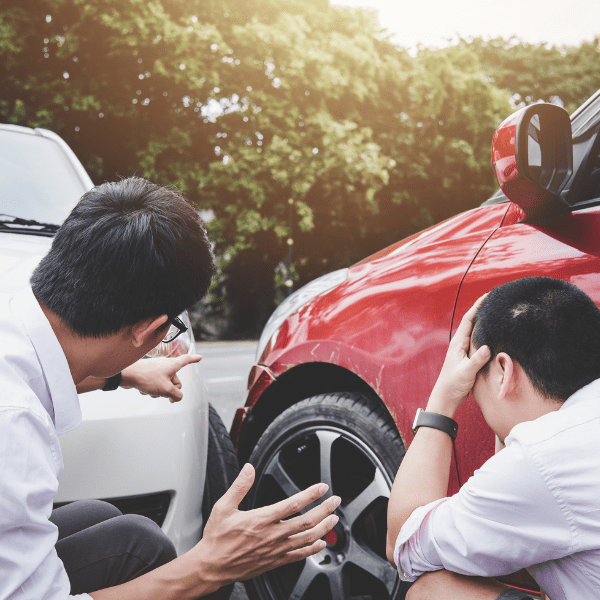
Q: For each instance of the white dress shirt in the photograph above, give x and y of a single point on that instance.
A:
(534, 505)
(38, 400)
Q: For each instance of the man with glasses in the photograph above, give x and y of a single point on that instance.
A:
(129, 258)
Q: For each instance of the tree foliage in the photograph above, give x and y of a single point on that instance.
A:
(534, 72)
(287, 121)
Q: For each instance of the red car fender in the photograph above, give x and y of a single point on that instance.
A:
(389, 322)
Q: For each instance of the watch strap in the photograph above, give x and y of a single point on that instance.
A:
(425, 418)
(112, 383)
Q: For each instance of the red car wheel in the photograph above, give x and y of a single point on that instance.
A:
(349, 442)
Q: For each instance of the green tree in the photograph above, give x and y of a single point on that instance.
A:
(247, 106)
(533, 72)
(440, 140)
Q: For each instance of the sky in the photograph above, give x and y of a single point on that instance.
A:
(432, 22)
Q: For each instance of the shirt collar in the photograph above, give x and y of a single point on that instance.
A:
(67, 411)
(587, 392)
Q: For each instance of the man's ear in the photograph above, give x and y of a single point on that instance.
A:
(144, 329)
(507, 374)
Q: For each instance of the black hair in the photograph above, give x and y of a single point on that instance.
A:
(549, 326)
(130, 250)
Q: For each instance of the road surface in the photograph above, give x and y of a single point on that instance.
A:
(225, 367)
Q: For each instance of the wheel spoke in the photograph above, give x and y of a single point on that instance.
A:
(326, 439)
(378, 488)
(278, 473)
(338, 585)
(306, 578)
(375, 565)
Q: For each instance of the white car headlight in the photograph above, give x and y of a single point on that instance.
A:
(295, 301)
(178, 347)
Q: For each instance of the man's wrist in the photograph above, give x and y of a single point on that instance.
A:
(206, 574)
(185, 578)
(128, 379)
(441, 407)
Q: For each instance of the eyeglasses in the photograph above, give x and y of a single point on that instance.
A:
(177, 328)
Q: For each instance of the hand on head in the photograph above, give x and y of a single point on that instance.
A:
(459, 370)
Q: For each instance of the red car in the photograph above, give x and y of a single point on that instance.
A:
(344, 363)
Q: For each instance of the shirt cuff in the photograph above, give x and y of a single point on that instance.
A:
(407, 556)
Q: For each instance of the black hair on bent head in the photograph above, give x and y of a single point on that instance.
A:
(129, 250)
(549, 326)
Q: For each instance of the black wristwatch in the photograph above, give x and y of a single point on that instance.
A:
(431, 419)
(112, 383)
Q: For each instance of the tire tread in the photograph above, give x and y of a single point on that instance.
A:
(355, 402)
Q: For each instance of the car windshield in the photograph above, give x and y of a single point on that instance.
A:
(37, 181)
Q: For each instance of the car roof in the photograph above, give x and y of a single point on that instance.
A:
(18, 128)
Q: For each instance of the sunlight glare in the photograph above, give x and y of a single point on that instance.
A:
(434, 22)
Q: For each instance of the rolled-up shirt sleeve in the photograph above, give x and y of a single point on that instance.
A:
(412, 562)
(503, 519)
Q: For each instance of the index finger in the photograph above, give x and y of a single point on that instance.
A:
(463, 332)
(181, 361)
(294, 504)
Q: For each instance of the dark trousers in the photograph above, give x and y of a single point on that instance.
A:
(100, 547)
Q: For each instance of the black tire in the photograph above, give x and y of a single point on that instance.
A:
(222, 468)
(356, 444)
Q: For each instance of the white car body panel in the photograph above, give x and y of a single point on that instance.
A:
(127, 444)
(19, 255)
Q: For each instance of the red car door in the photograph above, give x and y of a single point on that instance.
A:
(566, 247)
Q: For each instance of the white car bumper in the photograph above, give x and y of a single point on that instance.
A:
(132, 446)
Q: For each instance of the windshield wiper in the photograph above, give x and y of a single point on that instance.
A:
(11, 223)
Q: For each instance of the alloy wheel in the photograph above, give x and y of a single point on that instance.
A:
(353, 564)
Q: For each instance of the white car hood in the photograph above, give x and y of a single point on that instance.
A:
(20, 253)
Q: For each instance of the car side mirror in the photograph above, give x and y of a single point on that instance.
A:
(532, 156)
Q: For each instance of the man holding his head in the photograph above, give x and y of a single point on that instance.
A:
(530, 353)
(129, 258)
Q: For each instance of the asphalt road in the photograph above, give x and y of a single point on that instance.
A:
(225, 367)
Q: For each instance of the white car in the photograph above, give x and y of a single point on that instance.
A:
(144, 455)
